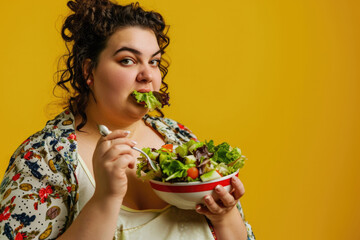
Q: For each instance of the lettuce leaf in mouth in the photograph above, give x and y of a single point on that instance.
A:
(152, 100)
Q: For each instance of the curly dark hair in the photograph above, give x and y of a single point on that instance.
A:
(86, 32)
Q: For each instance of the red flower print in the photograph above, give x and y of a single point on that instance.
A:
(16, 177)
(59, 148)
(12, 199)
(19, 236)
(36, 205)
(72, 137)
(44, 193)
(181, 126)
(27, 140)
(69, 189)
(28, 155)
(5, 215)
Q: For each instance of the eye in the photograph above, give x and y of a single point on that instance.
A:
(127, 62)
(155, 62)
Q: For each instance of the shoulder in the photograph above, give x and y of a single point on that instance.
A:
(54, 142)
(172, 131)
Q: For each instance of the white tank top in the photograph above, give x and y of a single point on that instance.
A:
(169, 223)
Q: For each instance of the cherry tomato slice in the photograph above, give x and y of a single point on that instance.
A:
(168, 147)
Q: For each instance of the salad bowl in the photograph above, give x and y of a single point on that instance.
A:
(186, 195)
(185, 174)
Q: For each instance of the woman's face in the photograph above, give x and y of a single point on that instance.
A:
(130, 61)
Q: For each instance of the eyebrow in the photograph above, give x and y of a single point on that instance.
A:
(134, 51)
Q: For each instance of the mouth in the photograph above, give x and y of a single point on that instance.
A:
(153, 100)
(132, 96)
(143, 90)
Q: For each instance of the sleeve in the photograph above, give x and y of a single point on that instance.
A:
(34, 194)
(172, 131)
(181, 130)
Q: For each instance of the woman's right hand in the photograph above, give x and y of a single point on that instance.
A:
(112, 156)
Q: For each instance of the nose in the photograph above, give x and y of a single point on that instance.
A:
(145, 75)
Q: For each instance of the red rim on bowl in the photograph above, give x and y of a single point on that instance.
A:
(191, 186)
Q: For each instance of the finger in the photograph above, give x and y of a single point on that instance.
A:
(120, 141)
(115, 151)
(211, 205)
(238, 187)
(125, 160)
(202, 209)
(226, 198)
(117, 169)
(117, 134)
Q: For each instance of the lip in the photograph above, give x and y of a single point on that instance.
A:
(143, 90)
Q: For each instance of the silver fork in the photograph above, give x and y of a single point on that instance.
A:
(104, 131)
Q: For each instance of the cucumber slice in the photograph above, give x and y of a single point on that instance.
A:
(182, 150)
(190, 159)
(212, 175)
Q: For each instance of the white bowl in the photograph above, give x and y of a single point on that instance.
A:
(186, 195)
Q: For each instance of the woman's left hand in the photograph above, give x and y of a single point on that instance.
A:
(216, 211)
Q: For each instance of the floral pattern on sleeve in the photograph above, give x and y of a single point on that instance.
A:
(39, 191)
(172, 131)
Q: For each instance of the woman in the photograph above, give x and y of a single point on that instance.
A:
(49, 187)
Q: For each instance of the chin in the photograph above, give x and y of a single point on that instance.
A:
(138, 111)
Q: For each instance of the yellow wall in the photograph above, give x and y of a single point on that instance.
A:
(280, 79)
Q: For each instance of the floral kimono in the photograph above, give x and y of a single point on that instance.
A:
(39, 193)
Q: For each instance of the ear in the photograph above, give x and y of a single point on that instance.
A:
(87, 73)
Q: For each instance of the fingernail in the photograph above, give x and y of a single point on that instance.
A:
(234, 178)
(218, 188)
(134, 142)
(198, 207)
(127, 132)
(207, 198)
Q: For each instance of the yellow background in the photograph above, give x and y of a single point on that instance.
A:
(279, 79)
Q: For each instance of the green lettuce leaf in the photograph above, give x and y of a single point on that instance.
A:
(210, 145)
(170, 167)
(220, 153)
(178, 174)
(234, 154)
(149, 99)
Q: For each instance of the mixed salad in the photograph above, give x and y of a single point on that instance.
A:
(151, 100)
(191, 161)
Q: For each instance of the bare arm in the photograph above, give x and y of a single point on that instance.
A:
(97, 220)
(224, 216)
(112, 156)
(231, 227)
